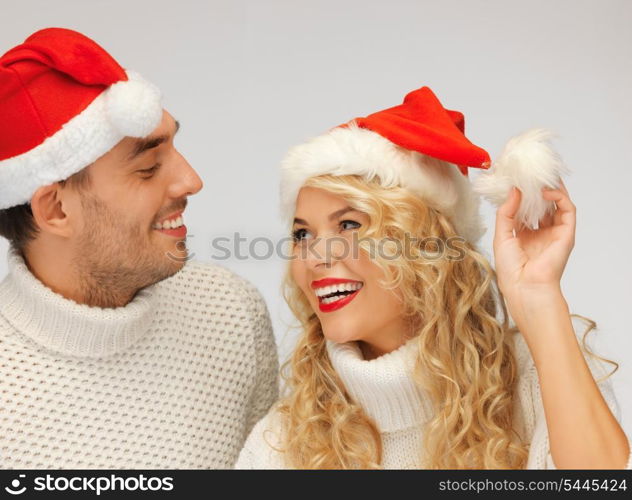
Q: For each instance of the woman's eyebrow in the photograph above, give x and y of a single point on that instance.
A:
(332, 216)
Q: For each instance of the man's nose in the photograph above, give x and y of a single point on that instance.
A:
(187, 180)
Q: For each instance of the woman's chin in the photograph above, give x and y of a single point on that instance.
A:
(339, 337)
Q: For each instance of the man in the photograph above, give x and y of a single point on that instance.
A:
(116, 350)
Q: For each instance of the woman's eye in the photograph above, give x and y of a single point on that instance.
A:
(148, 172)
(298, 234)
(357, 224)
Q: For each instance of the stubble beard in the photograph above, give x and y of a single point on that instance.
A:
(115, 258)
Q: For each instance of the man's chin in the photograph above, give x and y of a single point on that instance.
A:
(164, 270)
(178, 253)
(170, 258)
(177, 256)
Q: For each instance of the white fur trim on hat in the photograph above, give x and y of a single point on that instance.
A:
(128, 108)
(358, 151)
(529, 163)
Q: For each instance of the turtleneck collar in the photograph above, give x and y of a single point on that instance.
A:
(383, 387)
(64, 326)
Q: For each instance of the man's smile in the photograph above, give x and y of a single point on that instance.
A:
(172, 225)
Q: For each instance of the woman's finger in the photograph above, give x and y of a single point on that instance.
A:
(557, 215)
(566, 211)
(563, 188)
(547, 219)
(505, 217)
(561, 199)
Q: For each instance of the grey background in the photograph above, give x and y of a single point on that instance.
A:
(249, 79)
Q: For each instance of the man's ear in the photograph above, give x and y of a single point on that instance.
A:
(47, 205)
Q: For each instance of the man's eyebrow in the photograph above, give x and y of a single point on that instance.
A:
(147, 143)
(332, 216)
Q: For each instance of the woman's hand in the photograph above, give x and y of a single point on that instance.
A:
(533, 259)
(529, 266)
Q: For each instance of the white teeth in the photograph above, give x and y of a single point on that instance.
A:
(169, 224)
(329, 300)
(343, 287)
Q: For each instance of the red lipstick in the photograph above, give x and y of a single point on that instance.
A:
(333, 306)
(331, 281)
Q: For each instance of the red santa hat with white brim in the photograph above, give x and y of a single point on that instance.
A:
(421, 146)
(64, 102)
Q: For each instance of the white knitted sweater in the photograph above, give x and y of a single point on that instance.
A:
(385, 391)
(174, 379)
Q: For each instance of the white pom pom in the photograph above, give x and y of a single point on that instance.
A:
(134, 106)
(529, 163)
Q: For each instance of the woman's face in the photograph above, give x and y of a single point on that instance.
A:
(326, 261)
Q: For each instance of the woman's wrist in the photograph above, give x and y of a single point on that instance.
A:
(532, 308)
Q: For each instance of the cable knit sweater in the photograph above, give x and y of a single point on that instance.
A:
(384, 389)
(174, 379)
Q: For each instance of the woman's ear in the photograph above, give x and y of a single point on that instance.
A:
(47, 205)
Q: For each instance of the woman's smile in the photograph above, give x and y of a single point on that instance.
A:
(335, 293)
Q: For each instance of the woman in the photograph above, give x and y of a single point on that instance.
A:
(407, 358)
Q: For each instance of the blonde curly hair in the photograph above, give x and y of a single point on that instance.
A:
(465, 362)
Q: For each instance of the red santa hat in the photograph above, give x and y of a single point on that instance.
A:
(64, 102)
(421, 146)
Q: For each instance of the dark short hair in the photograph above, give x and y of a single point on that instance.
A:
(17, 223)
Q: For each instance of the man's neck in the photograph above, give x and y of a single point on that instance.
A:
(54, 268)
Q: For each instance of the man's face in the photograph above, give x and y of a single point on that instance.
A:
(135, 188)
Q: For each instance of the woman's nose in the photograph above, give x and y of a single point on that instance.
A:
(326, 250)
